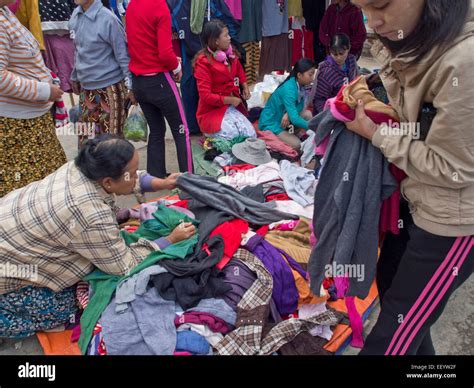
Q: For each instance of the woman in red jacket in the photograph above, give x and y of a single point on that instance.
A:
(220, 77)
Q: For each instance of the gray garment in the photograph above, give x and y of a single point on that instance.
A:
(128, 289)
(225, 198)
(275, 18)
(251, 25)
(353, 183)
(299, 182)
(308, 148)
(145, 328)
(217, 307)
(101, 53)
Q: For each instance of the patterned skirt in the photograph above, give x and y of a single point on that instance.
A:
(31, 309)
(104, 109)
(29, 151)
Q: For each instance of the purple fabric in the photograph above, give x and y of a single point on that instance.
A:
(285, 293)
(145, 183)
(145, 212)
(214, 323)
(162, 243)
(59, 58)
(240, 278)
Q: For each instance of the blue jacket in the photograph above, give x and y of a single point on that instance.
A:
(288, 98)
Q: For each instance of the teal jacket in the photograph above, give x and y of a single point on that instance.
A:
(283, 100)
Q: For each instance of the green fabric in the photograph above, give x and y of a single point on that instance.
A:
(202, 166)
(224, 145)
(198, 10)
(104, 285)
(283, 100)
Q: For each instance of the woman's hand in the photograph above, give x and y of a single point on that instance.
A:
(246, 92)
(170, 181)
(181, 232)
(56, 93)
(362, 124)
(231, 100)
(285, 121)
(130, 96)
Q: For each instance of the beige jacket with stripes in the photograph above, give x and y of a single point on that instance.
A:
(440, 169)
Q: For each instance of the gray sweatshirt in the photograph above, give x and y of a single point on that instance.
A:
(354, 181)
(101, 55)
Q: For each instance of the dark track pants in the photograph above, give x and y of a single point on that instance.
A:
(159, 99)
(416, 274)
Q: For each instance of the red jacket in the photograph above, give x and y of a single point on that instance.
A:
(149, 37)
(349, 21)
(214, 82)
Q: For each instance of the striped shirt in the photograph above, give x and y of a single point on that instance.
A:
(24, 78)
(54, 231)
(330, 79)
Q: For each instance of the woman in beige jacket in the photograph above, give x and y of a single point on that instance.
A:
(425, 49)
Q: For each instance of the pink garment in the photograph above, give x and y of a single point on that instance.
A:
(285, 226)
(214, 323)
(390, 211)
(235, 7)
(59, 57)
(14, 7)
(182, 354)
(274, 143)
(342, 287)
(76, 333)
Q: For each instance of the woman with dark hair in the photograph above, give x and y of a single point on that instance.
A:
(284, 113)
(222, 86)
(57, 230)
(342, 17)
(339, 68)
(425, 51)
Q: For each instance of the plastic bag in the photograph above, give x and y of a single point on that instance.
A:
(263, 90)
(136, 127)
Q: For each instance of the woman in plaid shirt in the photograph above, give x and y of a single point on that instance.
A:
(55, 231)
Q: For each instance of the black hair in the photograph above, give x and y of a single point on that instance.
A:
(301, 66)
(104, 156)
(440, 23)
(340, 42)
(211, 32)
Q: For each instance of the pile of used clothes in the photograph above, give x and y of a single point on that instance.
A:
(253, 280)
(215, 154)
(239, 286)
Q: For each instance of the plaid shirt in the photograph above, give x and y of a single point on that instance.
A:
(54, 231)
(252, 314)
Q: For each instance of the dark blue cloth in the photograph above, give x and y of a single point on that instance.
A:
(192, 342)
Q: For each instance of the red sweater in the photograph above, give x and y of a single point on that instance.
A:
(214, 82)
(149, 37)
(349, 21)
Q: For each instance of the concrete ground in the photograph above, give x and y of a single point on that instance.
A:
(452, 334)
